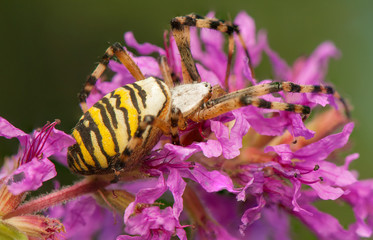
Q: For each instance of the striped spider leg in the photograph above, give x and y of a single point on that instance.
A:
(249, 96)
(180, 30)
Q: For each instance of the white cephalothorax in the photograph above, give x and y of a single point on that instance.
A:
(189, 97)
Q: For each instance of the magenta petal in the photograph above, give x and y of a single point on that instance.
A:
(153, 223)
(247, 28)
(296, 195)
(231, 141)
(57, 142)
(252, 214)
(281, 69)
(327, 192)
(315, 67)
(176, 185)
(148, 66)
(180, 152)
(212, 38)
(324, 225)
(284, 151)
(241, 196)
(297, 127)
(265, 126)
(208, 76)
(211, 148)
(30, 176)
(211, 181)
(7, 130)
(145, 48)
(321, 149)
(147, 195)
(335, 175)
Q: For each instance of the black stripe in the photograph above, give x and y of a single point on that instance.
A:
(90, 168)
(231, 29)
(75, 151)
(264, 104)
(306, 110)
(275, 86)
(294, 87)
(245, 100)
(190, 21)
(329, 90)
(106, 121)
(141, 92)
(290, 107)
(198, 16)
(214, 24)
(134, 101)
(176, 25)
(316, 89)
(189, 63)
(111, 112)
(145, 141)
(159, 82)
(133, 97)
(85, 135)
(105, 59)
(91, 80)
(125, 113)
(94, 128)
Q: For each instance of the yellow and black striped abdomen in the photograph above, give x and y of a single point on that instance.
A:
(105, 129)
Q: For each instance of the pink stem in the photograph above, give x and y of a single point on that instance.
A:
(54, 198)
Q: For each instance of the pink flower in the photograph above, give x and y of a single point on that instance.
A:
(33, 165)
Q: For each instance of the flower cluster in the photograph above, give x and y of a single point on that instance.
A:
(238, 176)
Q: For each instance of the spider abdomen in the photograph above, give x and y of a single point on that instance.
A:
(103, 132)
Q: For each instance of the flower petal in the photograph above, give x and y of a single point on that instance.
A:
(145, 48)
(7, 130)
(177, 186)
(30, 176)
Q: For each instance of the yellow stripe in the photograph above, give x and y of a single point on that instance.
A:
(87, 157)
(126, 103)
(121, 130)
(97, 151)
(107, 141)
(81, 164)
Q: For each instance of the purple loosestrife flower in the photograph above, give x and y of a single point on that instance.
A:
(26, 171)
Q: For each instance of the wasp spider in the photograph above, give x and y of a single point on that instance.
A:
(116, 132)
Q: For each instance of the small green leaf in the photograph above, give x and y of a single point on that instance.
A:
(8, 232)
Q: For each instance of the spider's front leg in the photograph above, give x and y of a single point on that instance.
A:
(177, 121)
(180, 29)
(212, 109)
(114, 50)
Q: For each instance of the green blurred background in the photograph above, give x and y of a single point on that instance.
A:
(49, 47)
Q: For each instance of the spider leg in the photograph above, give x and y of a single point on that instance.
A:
(117, 50)
(165, 70)
(180, 30)
(242, 100)
(177, 122)
(263, 89)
